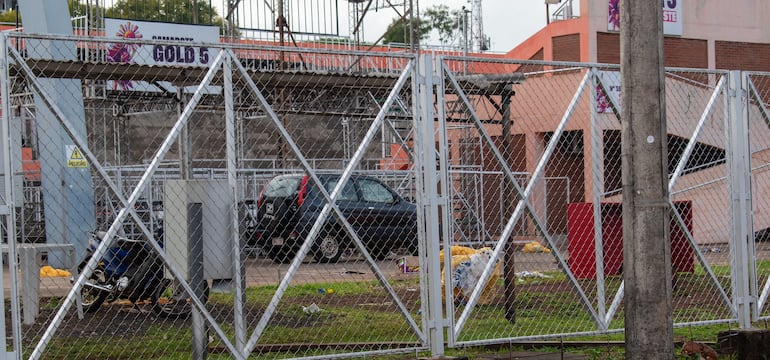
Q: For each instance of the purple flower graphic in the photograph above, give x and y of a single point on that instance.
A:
(602, 103)
(124, 52)
(614, 15)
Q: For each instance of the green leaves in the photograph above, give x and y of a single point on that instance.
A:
(438, 17)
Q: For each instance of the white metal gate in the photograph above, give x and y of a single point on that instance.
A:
(520, 156)
(228, 113)
(561, 120)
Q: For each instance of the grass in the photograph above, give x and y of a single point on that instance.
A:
(538, 312)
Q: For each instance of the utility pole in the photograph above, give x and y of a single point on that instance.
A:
(281, 23)
(465, 39)
(646, 246)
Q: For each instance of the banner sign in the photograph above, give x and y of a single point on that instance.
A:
(671, 13)
(189, 53)
(611, 82)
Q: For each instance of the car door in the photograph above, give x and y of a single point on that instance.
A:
(384, 214)
(347, 201)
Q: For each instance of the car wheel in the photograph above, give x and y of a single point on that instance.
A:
(281, 254)
(328, 249)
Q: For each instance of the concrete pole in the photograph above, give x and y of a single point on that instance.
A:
(646, 249)
(196, 277)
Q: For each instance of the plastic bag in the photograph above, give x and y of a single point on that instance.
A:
(535, 247)
(467, 268)
(48, 271)
(457, 251)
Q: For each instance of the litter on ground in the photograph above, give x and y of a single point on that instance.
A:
(48, 271)
(535, 247)
(531, 274)
(311, 309)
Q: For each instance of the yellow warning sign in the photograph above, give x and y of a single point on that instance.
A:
(75, 158)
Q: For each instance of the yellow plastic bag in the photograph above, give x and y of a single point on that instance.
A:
(48, 271)
(457, 250)
(535, 247)
(467, 268)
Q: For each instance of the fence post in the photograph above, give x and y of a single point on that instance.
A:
(7, 210)
(427, 204)
(196, 277)
(739, 190)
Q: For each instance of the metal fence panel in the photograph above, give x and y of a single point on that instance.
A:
(177, 154)
(277, 201)
(757, 103)
(544, 144)
(696, 104)
(532, 128)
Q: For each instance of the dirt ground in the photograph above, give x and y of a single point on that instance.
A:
(137, 320)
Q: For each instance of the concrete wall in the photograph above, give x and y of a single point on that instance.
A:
(134, 139)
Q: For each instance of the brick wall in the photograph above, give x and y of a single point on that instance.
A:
(742, 56)
(677, 52)
(533, 68)
(688, 53)
(566, 47)
(745, 56)
(538, 55)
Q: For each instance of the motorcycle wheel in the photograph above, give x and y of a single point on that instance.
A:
(173, 301)
(91, 297)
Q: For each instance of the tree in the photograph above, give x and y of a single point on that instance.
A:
(444, 21)
(399, 31)
(173, 11)
(437, 17)
(9, 17)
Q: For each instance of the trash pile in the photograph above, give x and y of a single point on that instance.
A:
(467, 266)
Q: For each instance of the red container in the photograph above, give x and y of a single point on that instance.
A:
(581, 246)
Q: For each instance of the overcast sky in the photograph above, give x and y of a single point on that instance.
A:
(506, 22)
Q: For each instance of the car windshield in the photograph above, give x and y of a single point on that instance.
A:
(282, 186)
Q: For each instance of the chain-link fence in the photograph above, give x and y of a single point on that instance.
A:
(757, 86)
(213, 181)
(275, 202)
(543, 142)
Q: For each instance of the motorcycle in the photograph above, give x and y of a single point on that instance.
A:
(131, 270)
